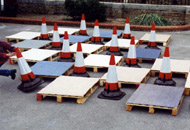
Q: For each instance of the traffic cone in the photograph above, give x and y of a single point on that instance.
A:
(29, 80)
(56, 42)
(96, 34)
(83, 26)
(114, 49)
(165, 75)
(127, 31)
(79, 67)
(111, 90)
(44, 35)
(65, 53)
(152, 39)
(131, 60)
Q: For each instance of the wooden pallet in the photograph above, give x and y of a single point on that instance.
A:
(151, 104)
(154, 72)
(99, 66)
(160, 39)
(140, 75)
(80, 99)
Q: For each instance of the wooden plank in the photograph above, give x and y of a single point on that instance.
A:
(77, 38)
(62, 30)
(187, 85)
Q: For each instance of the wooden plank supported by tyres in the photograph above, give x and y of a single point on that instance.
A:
(28, 44)
(107, 35)
(87, 49)
(77, 38)
(122, 43)
(177, 66)
(25, 35)
(129, 75)
(62, 87)
(36, 55)
(156, 97)
(96, 61)
(52, 69)
(146, 54)
(61, 30)
(160, 39)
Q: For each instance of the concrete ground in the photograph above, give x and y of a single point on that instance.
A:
(21, 111)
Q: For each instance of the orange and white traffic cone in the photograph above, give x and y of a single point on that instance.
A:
(111, 90)
(79, 67)
(114, 48)
(96, 34)
(165, 75)
(29, 80)
(152, 39)
(127, 31)
(44, 34)
(56, 42)
(83, 26)
(65, 53)
(131, 60)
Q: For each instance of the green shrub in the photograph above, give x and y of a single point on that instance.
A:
(148, 19)
(91, 8)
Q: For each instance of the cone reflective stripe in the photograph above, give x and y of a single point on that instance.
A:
(65, 53)
(44, 34)
(79, 61)
(131, 58)
(26, 72)
(96, 32)
(114, 41)
(83, 26)
(56, 38)
(152, 39)
(127, 31)
(165, 71)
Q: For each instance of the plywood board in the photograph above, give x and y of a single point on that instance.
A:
(108, 34)
(177, 66)
(51, 68)
(77, 38)
(28, 44)
(62, 31)
(69, 86)
(94, 60)
(86, 48)
(23, 36)
(122, 43)
(35, 55)
(155, 95)
(130, 75)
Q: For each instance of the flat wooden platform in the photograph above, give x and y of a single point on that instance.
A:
(70, 87)
(52, 69)
(23, 36)
(160, 38)
(155, 96)
(77, 38)
(177, 66)
(122, 43)
(108, 34)
(28, 44)
(35, 55)
(61, 30)
(187, 85)
(100, 61)
(87, 49)
(128, 75)
(146, 54)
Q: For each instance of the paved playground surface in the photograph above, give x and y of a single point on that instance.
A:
(21, 111)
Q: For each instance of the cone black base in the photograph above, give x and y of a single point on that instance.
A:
(99, 43)
(133, 65)
(80, 74)
(111, 95)
(152, 47)
(170, 82)
(116, 53)
(66, 60)
(55, 48)
(44, 39)
(30, 85)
